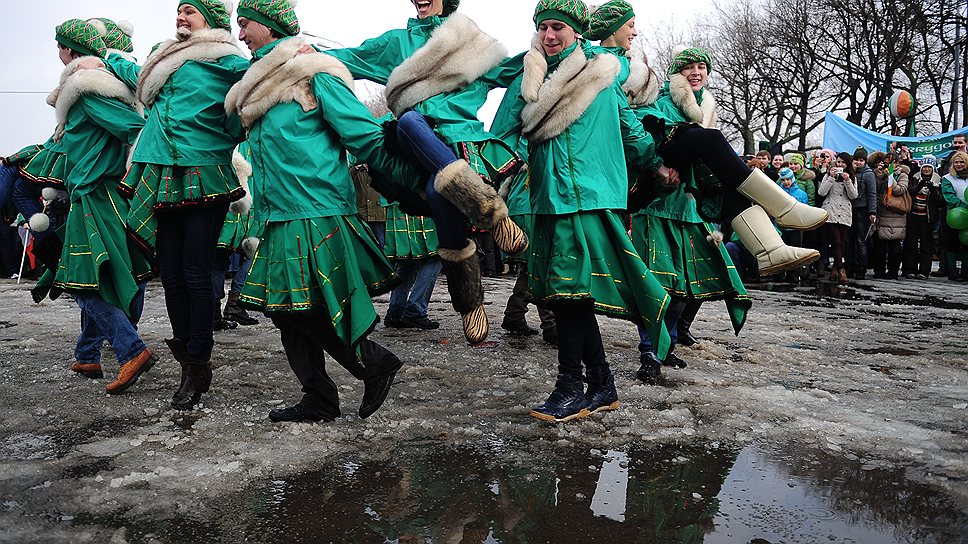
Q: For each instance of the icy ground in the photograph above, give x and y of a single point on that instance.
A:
(875, 372)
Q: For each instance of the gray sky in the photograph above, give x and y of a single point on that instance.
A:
(31, 62)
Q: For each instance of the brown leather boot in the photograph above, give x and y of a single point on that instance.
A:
(88, 370)
(131, 371)
(842, 276)
(834, 275)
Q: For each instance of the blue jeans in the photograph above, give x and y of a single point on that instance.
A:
(8, 176)
(411, 298)
(420, 143)
(672, 315)
(101, 321)
(239, 279)
(379, 229)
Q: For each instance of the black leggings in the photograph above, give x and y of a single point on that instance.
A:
(838, 236)
(579, 339)
(691, 143)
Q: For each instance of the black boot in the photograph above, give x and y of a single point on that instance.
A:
(684, 324)
(381, 366)
(566, 402)
(650, 370)
(234, 312)
(219, 323)
(601, 395)
(196, 379)
(673, 360)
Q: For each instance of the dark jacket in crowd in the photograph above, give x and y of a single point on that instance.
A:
(866, 191)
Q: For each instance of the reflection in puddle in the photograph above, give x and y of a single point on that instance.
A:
(435, 493)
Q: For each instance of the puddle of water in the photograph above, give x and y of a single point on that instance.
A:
(884, 350)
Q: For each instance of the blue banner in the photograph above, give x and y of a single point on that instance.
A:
(842, 135)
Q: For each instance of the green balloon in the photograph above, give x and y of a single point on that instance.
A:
(963, 237)
(958, 218)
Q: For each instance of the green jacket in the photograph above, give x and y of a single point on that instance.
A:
(584, 167)
(455, 113)
(299, 160)
(187, 124)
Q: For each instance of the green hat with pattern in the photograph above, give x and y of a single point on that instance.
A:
(81, 37)
(217, 13)
(279, 15)
(574, 13)
(116, 35)
(608, 18)
(688, 56)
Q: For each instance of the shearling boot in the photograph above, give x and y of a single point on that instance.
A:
(759, 236)
(789, 213)
(234, 312)
(479, 202)
(463, 271)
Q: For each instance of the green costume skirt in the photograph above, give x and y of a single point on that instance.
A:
(493, 159)
(153, 187)
(234, 232)
(409, 237)
(40, 165)
(98, 255)
(688, 266)
(330, 263)
(587, 256)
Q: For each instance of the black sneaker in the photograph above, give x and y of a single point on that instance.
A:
(651, 369)
(602, 398)
(418, 323)
(564, 404)
(296, 412)
(519, 329)
(674, 361)
(392, 322)
(686, 338)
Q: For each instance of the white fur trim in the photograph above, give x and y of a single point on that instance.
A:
(567, 93)
(49, 194)
(75, 83)
(207, 45)
(643, 85)
(244, 171)
(39, 222)
(250, 246)
(280, 77)
(535, 71)
(457, 54)
(458, 255)
(683, 96)
(127, 27)
(715, 238)
(99, 26)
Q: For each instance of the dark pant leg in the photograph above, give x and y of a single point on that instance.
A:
(837, 234)
(168, 248)
(925, 243)
(307, 359)
(857, 243)
(893, 261)
(517, 306)
(571, 323)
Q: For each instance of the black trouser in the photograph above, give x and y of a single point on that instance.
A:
(839, 239)
(886, 257)
(918, 243)
(517, 306)
(186, 254)
(855, 246)
(579, 340)
(307, 337)
(690, 143)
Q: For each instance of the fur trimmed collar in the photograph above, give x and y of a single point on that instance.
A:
(75, 83)
(554, 104)
(457, 53)
(279, 77)
(207, 45)
(643, 85)
(683, 96)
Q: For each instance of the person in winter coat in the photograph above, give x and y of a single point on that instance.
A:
(805, 177)
(864, 207)
(839, 188)
(953, 187)
(788, 182)
(891, 224)
(925, 190)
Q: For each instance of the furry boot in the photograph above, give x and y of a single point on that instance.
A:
(789, 213)
(479, 202)
(759, 236)
(463, 271)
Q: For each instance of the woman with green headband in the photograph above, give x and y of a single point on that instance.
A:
(438, 72)
(181, 181)
(569, 106)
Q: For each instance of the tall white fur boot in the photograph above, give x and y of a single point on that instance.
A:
(789, 213)
(757, 233)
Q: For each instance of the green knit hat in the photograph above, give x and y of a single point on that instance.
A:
(279, 15)
(217, 13)
(689, 56)
(574, 13)
(797, 158)
(608, 18)
(81, 37)
(116, 35)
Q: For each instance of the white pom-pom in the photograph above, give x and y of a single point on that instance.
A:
(229, 6)
(127, 27)
(250, 246)
(715, 238)
(39, 222)
(292, 3)
(242, 205)
(49, 194)
(99, 26)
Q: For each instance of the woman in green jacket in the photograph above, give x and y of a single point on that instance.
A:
(438, 72)
(96, 122)
(570, 107)
(181, 181)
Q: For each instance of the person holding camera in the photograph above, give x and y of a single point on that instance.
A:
(839, 188)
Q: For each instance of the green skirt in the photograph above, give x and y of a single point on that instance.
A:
(98, 255)
(688, 266)
(409, 237)
(40, 165)
(153, 187)
(587, 256)
(493, 159)
(234, 232)
(329, 263)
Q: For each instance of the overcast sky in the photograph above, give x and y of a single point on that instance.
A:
(31, 65)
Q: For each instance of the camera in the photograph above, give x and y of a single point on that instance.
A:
(835, 172)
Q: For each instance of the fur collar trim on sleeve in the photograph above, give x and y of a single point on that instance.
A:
(683, 96)
(75, 83)
(207, 45)
(457, 54)
(281, 76)
(643, 85)
(564, 97)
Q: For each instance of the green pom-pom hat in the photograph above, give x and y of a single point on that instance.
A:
(116, 35)
(688, 56)
(279, 15)
(608, 18)
(80, 36)
(574, 13)
(217, 13)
